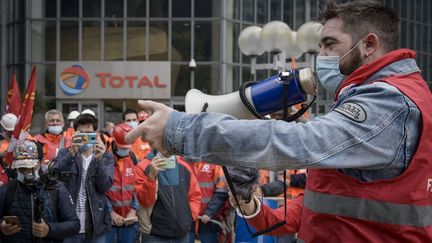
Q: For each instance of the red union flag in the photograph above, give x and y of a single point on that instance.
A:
(13, 102)
(24, 118)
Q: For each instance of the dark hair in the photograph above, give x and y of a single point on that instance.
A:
(366, 16)
(129, 111)
(85, 119)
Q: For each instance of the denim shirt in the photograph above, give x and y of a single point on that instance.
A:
(380, 147)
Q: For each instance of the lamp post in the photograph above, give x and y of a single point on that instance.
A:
(192, 67)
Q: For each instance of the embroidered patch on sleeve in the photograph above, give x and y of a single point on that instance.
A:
(353, 111)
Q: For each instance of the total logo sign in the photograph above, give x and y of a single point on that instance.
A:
(113, 80)
(74, 80)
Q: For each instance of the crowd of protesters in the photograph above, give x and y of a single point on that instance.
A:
(119, 192)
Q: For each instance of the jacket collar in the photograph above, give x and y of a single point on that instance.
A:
(401, 61)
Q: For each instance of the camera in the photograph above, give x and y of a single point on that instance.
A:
(47, 181)
(88, 138)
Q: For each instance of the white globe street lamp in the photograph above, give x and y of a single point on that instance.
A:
(249, 41)
(275, 37)
(308, 37)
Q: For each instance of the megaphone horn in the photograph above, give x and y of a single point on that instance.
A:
(263, 97)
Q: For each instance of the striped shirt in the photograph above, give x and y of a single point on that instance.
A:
(82, 195)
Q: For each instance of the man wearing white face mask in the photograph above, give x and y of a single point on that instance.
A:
(53, 138)
(91, 168)
(139, 147)
(369, 158)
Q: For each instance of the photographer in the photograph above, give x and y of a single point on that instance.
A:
(92, 169)
(20, 221)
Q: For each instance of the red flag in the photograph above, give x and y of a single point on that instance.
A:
(24, 118)
(13, 102)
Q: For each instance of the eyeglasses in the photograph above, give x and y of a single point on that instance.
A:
(268, 229)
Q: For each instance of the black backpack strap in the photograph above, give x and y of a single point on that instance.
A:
(133, 157)
(10, 194)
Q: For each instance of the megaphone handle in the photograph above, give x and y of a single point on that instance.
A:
(243, 98)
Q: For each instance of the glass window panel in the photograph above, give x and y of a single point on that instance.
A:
(181, 8)
(19, 9)
(114, 40)
(275, 13)
(43, 8)
(91, 42)
(262, 74)
(235, 78)
(38, 122)
(158, 50)
(262, 11)
(246, 74)
(158, 8)
(92, 8)
(69, 40)
(207, 44)
(113, 110)
(136, 40)
(45, 76)
(404, 9)
(300, 13)
(264, 58)
(43, 40)
(246, 59)
(236, 49)
(208, 79)
(404, 33)
(180, 79)
(411, 35)
(66, 108)
(207, 8)
(248, 10)
(181, 41)
(288, 13)
(114, 8)
(233, 9)
(69, 8)
(419, 38)
(136, 8)
(19, 42)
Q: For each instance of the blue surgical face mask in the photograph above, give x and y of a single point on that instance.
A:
(122, 152)
(55, 129)
(85, 147)
(328, 70)
(133, 124)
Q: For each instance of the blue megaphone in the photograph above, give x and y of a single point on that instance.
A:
(257, 99)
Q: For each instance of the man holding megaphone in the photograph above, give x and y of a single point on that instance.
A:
(369, 158)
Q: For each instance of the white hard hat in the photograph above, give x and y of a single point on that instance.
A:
(8, 121)
(88, 111)
(73, 115)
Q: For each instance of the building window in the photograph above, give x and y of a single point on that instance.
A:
(92, 8)
(158, 8)
(136, 40)
(181, 8)
(69, 8)
(136, 8)
(181, 41)
(68, 40)
(114, 40)
(158, 50)
(207, 41)
(180, 79)
(43, 9)
(43, 39)
(91, 42)
(114, 8)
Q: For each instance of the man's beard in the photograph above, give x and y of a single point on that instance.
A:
(355, 61)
